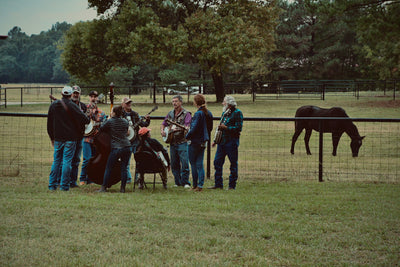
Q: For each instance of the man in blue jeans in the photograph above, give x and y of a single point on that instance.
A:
(230, 127)
(65, 126)
(178, 144)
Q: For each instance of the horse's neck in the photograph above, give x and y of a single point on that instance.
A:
(352, 131)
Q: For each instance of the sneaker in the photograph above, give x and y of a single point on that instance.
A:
(73, 185)
(82, 183)
(198, 189)
(186, 186)
(175, 185)
(193, 188)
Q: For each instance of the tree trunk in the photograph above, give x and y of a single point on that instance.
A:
(219, 86)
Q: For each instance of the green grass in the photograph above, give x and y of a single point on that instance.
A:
(260, 223)
(279, 214)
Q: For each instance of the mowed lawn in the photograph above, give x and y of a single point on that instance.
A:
(290, 223)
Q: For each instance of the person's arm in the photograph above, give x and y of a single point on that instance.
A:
(237, 124)
(50, 124)
(163, 125)
(194, 125)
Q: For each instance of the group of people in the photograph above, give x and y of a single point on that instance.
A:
(187, 136)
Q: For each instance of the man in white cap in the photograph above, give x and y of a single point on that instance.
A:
(76, 92)
(65, 126)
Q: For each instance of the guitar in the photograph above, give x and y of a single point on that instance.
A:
(131, 129)
(169, 134)
(218, 133)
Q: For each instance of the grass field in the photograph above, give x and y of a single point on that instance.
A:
(295, 222)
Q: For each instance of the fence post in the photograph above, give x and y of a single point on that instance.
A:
(209, 157)
(154, 93)
(253, 91)
(22, 92)
(321, 151)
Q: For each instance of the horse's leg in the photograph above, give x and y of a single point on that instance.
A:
(335, 141)
(307, 139)
(294, 138)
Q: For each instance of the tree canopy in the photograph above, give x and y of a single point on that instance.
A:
(213, 34)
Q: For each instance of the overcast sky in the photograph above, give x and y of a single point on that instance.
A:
(34, 16)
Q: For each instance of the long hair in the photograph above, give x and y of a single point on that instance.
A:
(200, 101)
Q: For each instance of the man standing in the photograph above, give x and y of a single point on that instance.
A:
(76, 92)
(178, 144)
(65, 125)
(231, 126)
(96, 115)
(133, 118)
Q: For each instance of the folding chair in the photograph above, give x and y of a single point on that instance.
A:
(147, 162)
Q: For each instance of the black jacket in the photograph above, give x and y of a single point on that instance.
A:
(156, 146)
(65, 123)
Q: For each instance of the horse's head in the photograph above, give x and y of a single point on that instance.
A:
(355, 145)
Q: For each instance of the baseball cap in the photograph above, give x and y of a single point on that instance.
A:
(144, 131)
(126, 100)
(76, 88)
(93, 93)
(67, 90)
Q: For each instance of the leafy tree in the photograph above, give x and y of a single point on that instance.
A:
(214, 34)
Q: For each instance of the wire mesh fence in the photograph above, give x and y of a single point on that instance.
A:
(264, 151)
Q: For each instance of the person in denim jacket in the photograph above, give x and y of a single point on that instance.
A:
(198, 137)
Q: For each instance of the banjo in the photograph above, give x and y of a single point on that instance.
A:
(169, 133)
(218, 133)
(131, 130)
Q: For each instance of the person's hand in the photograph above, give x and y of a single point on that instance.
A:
(52, 143)
(169, 167)
(147, 117)
(213, 144)
(222, 127)
(163, 133)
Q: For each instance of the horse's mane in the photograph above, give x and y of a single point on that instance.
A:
(352, 130)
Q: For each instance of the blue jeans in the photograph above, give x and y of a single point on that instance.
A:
(75, 162)
(88, 152)
(115, 154)
(63, 154)
(229, 149)
(196, 157)
(129, 175)
(180, 164)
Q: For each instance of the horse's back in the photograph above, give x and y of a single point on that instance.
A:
(314, 111)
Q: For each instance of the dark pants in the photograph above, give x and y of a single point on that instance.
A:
(229, 149)
(115, 154)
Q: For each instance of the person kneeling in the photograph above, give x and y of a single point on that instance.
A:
(153, 146)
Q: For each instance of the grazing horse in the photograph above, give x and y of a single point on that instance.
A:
(336, 127)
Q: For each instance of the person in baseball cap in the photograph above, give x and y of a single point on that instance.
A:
(93, 93)
(144, 130)
(66, 91)
(126, 100)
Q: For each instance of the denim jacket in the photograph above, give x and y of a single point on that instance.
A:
(198, 133)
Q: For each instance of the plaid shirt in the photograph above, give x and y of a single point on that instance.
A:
(97, 115)
(234, 122)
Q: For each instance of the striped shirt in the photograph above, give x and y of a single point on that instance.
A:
(118, 129)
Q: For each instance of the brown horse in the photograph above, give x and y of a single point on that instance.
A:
(336, 127)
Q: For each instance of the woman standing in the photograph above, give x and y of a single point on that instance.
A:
(117, 127)
(198, 137)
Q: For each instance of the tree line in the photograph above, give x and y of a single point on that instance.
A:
(134, 41)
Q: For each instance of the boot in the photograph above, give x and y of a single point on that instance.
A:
(103, 189)
(122, 190)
